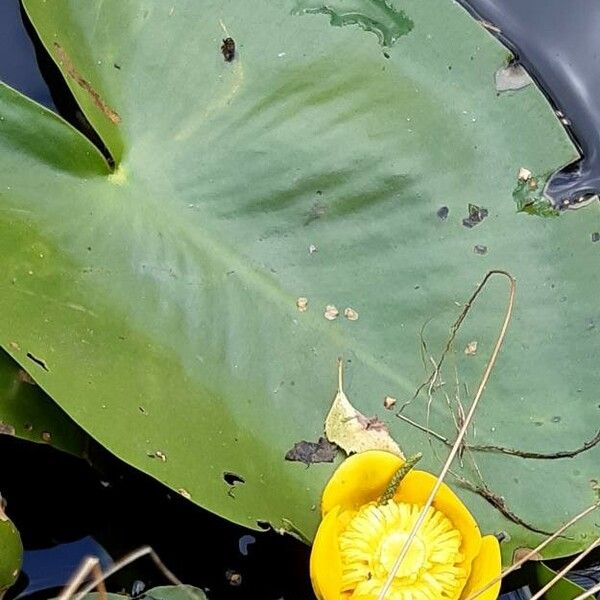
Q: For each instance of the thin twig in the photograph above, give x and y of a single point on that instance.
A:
(566, 569)
(126, 560)
(463, 430)
(589, 592)
(534, 552)
(510, 451)
(454, 330)
(497, 502)
(86, 567)
(539, 455)
(430, 432)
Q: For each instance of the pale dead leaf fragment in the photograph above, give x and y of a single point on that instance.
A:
(389, 402)
(352, 431)
(302, 304)
(471, 348)
(331, 312)
(524, 174)
(351, 314)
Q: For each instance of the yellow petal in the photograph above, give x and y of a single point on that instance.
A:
(360, 479)
(325, 560)
(415, 489)
(486, 566)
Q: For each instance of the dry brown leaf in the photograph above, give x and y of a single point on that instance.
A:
(352, 431)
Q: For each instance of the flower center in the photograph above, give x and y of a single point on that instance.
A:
(432, 568)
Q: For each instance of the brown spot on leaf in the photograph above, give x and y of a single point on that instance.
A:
(521, 553)
(84, 84)
(312, 452)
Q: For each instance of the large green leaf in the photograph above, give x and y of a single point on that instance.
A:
(157, 303)
(26, 411)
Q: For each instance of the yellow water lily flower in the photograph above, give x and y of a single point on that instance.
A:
(360, 538)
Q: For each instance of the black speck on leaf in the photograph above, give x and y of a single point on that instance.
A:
(443, 213)
(228, 49)
(312, 452)
(479, 249)
(596, 236)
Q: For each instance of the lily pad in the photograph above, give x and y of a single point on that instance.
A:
(159, 298)
(29, 413)
(165, 592)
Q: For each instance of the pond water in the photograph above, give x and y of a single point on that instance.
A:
(65, 509)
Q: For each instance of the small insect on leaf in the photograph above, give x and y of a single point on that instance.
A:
(228, 49)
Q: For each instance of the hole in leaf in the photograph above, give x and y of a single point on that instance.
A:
(232, 478)
(40, 362)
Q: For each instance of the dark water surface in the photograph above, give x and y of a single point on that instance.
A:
(558, 42)
(58, 501)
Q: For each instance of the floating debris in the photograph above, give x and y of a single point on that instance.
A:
(443, 213)
(389, 402)
(596, 236)
(471, 348)
(331, 312)
(46, 436)
(312, 249)
(185, 493)
(351, 314)
(476, 215)
(312, 452)
(479, 249)
(233, 578)
(302, 304)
